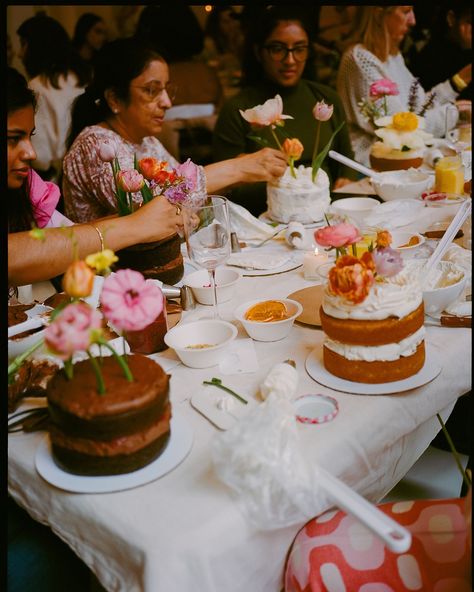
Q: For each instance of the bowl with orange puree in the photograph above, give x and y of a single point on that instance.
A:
(268, 320)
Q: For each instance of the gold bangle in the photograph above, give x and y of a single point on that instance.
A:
(101, 236)
(459, 83)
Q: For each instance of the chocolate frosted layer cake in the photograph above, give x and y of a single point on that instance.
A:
(117, 432)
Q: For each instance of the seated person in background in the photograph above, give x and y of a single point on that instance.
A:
(449, 47)
(125, 106)
(32, 202)
(277, 57)
(58, 75)
(90, 34)
(374, 54)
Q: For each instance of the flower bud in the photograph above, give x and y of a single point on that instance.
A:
(106, 152)
(78, 280)
(322, 112)
(293, 148)
(130, 181)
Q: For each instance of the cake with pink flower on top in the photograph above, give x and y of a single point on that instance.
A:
(110, 416)
(372, 313)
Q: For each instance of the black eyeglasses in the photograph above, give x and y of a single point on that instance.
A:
(154, 90)
(280, 52)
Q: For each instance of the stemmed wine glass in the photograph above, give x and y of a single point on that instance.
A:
(207, 235)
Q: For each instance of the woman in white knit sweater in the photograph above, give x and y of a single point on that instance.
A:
(373, 54)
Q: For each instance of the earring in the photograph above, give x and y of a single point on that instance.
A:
(116, 111)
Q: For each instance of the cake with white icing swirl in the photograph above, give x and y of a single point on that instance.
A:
(299, 198)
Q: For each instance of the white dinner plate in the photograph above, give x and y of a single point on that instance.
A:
(317, 371)
(289, 265)
(177, 449)
(266, 218)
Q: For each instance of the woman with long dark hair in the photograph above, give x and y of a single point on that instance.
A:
(90, 34)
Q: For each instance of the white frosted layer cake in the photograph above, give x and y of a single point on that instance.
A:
(299, 198)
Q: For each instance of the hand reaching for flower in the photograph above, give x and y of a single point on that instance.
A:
(267, 164)
(156, 220)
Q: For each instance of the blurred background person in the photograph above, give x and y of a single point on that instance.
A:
(10, 51)
(57, 75)
(373, 54)
(278, 60)
(90, 34)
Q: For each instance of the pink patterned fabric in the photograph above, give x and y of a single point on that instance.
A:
(44, 197)
(334, 552)
(88, 185)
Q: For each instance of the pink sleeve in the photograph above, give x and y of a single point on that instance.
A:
(44, 197)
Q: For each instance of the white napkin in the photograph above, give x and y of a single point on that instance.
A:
(463, 258)
(394, 214)
(257, 260)
(246, 226)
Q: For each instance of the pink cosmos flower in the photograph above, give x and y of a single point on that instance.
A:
(338, 235)
(270, 113)
(388, 262)
(74, 329)
(322, 112)
(383, 87)
(189, 170)
(106, 151)
(129, 301)
(130, 181)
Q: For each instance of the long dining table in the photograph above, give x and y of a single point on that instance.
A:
(185, 530)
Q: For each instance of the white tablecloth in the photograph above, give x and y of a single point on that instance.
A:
(184, 531)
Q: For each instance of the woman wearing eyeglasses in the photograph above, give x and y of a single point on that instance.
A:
(277, 60)
(125, 106)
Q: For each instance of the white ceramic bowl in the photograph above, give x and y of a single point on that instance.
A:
(407, 184)
(213, 333)
(402, 237)
(437, 299)
(273, 330)
(17, 346)
(201, 287)
(354, 208)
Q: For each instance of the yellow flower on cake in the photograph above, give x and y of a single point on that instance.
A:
(403, 129)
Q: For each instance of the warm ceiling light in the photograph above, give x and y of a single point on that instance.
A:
(208, 8)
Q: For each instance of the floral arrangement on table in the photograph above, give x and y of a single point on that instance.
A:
(352, 276)
(150, 177)
(128, 301)
(271, 115)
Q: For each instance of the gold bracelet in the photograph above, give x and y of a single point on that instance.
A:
(101, 236)
(459, 83)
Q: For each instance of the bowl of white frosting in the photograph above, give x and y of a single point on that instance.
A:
(442, 287)
(403, 184)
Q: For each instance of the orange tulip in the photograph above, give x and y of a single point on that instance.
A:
(293, 148)
(78, 280)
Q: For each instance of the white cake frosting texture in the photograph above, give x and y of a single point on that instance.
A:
(299, 198)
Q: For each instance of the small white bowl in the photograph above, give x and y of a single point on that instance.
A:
(355, 208)
(215, 334)
(402, 237)
(406, 184)
(273, 330)
(201, 287)
(437, 299)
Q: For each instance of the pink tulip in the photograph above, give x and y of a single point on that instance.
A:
(130, 181)
(129, 301)
(270, 113)
(293, 148)
(190, 171)
(383, 87)
(338, 235)
(106, 152)
(322, 112)
(74, 329)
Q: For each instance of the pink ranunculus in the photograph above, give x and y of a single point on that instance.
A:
(322, 111)
(270, 113)
(190, 171)
(388, 262)
(129, 301)
(130, 181)
(338, 235)
(383, 87)
(106, 151)
(74, 329)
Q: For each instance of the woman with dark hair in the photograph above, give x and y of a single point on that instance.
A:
(125, 106)
(58, 75)
(278, 60)
(90, 34)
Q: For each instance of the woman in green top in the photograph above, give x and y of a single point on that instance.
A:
(276, 61)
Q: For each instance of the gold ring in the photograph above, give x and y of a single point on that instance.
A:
(178, 209)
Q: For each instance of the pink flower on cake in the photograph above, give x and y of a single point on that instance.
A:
(270, 113)
(388, 262)
(322, 111)
(383, 87)
(338, 235)
(130, 181)
(351, 278)
(129, 301)
(75, 328)
(78, 280)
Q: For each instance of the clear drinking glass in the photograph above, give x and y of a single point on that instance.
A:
(207, 235)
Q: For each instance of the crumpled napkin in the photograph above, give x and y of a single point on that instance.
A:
(257, 260)
(394, 214)
(246, 226)
(463, 258)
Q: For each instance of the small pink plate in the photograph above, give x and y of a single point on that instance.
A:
(315, 408)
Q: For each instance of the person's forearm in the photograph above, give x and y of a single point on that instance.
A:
(220, 175)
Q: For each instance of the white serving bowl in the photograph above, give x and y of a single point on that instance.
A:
(201, 287)
(436, 300)
(402, 237)
(17, 346)
(212, 332)
(273, 330)
(354, 208)
(406, 184)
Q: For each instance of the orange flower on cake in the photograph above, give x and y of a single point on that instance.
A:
(352, 278)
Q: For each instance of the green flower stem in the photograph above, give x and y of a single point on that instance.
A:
(276, 139)
(217, 382)
(316, 143)
(292, 167)
(354, 249)
(98, 374)
(68, 368)
(120, 359)
(18, 361)
(385, 104)
(465, 477)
